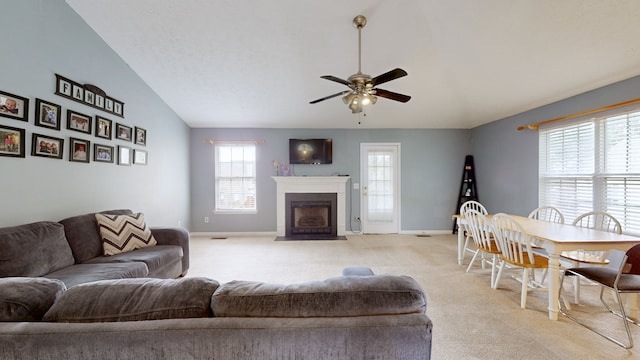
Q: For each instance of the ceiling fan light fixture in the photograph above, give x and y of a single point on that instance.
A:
(368, 99)
(362, 87)
(349, 98)
(355, 106)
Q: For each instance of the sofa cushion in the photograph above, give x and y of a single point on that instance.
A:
(154, 257)
(335, 297)
(33, 249)
(124, 233)
(84, 273)
(27, 298)
(134, 299)
(83, 235)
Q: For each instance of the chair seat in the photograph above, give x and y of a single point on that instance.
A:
(539, 261)
(622, 275)
(584, 257)
(607, 276)
(492, 248)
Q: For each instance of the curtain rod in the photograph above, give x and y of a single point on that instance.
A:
(213, 141)
(535, 126)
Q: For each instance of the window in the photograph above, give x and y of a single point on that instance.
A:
(593, 165)
(235, 178)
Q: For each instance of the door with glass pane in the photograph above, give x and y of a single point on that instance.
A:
(380, 188)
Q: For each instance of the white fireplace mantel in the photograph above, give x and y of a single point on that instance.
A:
(310, 184)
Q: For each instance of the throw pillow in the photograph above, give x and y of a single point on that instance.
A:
(335, 297)
(124, 233)
(134, 300)
(27, 298)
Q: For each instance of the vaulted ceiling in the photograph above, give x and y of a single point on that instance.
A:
(257, 63)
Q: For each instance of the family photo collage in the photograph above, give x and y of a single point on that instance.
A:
(49, 115)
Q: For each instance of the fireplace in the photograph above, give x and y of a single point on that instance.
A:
(311, 215)
(287, 185)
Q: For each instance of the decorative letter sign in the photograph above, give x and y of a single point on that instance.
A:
(89, 95)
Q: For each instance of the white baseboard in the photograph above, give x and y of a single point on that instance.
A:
(230, 234)
(425, 232)
(274, 233)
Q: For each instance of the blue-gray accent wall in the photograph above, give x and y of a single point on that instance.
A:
(45, 37)
(507, 159)
(431, 171)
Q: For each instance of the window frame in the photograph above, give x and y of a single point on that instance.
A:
(609, 177)
(251, 175)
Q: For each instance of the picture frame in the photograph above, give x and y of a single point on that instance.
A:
(102, 153)
(104, 127)
(79, 150)
(124, 155)
(14, 106)
(47, 114)
(124, 132)
(47, 146)
(12, 141)
(141, 136)
(79, 122)
(140, 157)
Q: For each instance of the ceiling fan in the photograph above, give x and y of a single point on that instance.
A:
(362, 90)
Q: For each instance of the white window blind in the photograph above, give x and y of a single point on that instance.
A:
(593, 165)
(235, 177)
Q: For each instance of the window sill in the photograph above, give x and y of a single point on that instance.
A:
(235, 212)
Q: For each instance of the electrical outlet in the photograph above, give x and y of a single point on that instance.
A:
(357, 218)
(206, 219)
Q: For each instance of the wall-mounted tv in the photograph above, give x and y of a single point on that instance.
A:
(310, 151)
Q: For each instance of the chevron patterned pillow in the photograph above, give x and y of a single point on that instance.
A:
(124, 233)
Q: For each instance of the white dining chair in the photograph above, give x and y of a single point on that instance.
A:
(474, 205)
(592, 220)
(481, 230)
(547, 213)
(516, 250)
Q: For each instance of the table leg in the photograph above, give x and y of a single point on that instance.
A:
(460, 244)
(554, 286)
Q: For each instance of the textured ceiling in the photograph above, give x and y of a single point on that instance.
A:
(257, 63)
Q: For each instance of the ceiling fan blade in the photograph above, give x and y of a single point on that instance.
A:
(338, 80)
(330, 96)
(391, 95)
(388, 76)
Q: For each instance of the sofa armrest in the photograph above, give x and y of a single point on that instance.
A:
(174, 236)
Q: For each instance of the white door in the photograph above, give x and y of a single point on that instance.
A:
(380, 188)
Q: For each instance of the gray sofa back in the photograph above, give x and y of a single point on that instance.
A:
(33, 249)
(83, 235)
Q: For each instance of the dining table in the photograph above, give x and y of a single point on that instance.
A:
(556, 238)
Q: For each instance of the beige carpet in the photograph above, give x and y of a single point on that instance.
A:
(471, 321)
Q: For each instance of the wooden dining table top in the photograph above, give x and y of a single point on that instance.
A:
(566, 233)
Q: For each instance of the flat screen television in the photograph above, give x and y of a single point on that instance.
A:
(310, 151)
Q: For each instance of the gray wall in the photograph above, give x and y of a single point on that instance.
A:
(431, 170)
(45, 37)
(507, 160)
